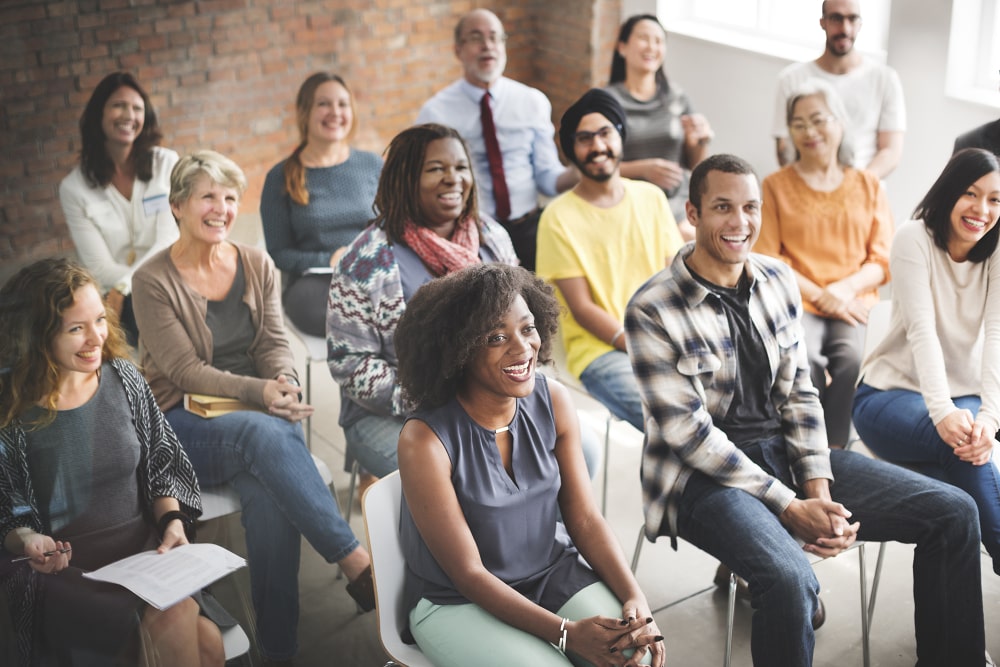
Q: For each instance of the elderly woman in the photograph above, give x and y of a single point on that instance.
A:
(666, 138)
(115, 200)
(89, 473)
(488, 462)
(831, 224)
(427, 225)
(320, 198)
(929, 395)
(210, 323)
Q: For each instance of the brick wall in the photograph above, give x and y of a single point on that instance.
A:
(224, 73)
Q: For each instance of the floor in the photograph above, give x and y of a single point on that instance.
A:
(688, 608)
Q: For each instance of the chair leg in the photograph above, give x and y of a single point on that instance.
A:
(309, 421)
(355, 470)
(607, 462)
(875, 583)
(638, 548)
(866, 657)
(731, 612)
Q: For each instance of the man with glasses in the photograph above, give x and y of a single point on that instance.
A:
(508, 128)
(597, 244)
(871, 93)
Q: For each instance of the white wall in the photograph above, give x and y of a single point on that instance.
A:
(735, 90)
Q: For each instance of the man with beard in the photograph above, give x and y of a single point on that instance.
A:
(597, 244)
(508, 128)
(871, 93)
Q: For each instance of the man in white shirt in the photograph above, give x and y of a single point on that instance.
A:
(522, 117)
(871, 92)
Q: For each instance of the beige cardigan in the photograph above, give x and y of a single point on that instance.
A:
(177, 344)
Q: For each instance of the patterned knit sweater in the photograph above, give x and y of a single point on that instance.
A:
(366, 302)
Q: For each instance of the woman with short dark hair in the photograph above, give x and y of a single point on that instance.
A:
(489, 462)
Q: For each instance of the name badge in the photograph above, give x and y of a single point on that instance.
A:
(155, 204)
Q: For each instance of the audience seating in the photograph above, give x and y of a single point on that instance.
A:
(381, 512)
(315, 347)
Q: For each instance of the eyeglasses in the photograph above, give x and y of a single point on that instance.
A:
(803, 126)
(842, 18)
(479, 39)
(587, 138)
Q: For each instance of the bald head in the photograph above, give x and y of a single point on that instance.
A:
(481, 46)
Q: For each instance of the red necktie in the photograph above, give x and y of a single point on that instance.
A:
(500, 194)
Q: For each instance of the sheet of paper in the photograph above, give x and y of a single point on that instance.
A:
(163, 580)
(318, 271)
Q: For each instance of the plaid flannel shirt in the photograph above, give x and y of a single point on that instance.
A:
(684, 357)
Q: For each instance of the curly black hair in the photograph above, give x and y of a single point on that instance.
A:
(448, 319)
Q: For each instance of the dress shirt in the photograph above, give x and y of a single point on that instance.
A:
(523, 119)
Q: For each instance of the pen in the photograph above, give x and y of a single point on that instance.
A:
(47, 553)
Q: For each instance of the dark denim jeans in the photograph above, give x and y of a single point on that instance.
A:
(896, 426)
(892, 504)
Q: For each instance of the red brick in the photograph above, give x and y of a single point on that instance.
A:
(84, 21)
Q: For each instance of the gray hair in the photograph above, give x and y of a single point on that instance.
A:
(216, 166)
(811, 87)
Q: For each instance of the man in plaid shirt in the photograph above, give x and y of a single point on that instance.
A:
(736, 459)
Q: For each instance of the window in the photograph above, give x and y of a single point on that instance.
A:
(784, 28)
(974, 51)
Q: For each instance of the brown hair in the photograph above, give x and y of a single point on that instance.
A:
(295, 171)
(31, 308)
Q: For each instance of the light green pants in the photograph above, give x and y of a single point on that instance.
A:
(465, 634)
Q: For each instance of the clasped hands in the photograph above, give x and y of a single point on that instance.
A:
(601, 640)
(282, 400)
(821, 524)
(838, 300)
(969, 441)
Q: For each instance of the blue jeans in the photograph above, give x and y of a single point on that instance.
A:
(892, 504)
(609, 379)
(373, 439)
(283, 498)
(896, 426)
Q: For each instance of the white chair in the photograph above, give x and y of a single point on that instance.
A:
(315, 351)
(381, 512)
(235, 642)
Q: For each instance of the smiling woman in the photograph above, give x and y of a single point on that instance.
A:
(428, 225)
(211, 323)
(115, 201)
(489, 462)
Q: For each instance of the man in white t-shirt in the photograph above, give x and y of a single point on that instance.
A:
(871, 92)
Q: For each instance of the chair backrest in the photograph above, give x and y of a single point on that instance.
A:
(381, 512)
(878, 325)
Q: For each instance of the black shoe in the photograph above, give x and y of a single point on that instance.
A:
(362, 590)
(819, 618)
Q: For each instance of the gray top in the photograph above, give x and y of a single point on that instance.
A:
(340, 206)
(232, 329)
(655, 131)
(84, 466)
(514, 521)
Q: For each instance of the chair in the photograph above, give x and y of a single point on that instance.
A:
(315, 351)
(867, 605)
(235, 642)
(380, 506)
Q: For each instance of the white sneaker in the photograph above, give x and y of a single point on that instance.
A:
(989, 660)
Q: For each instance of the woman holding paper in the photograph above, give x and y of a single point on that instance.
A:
(115, 200)
(89, 473)
(210, 322)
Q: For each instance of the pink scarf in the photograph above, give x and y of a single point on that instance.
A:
(444, 255)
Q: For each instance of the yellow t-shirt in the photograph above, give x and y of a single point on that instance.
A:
(616, 249)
